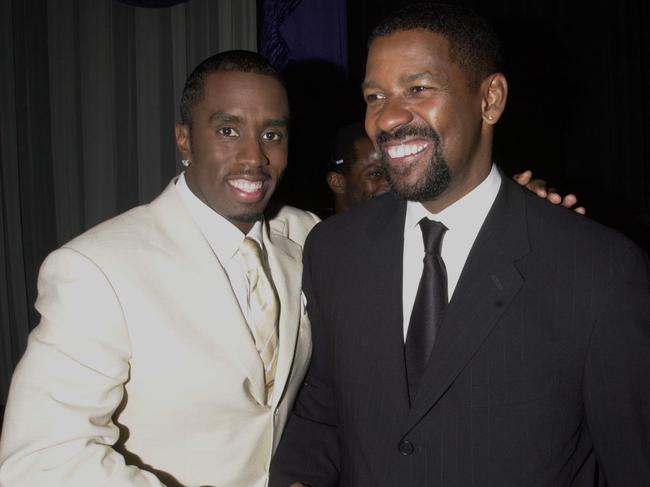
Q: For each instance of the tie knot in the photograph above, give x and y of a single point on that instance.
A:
(432, 234)
(251, 254)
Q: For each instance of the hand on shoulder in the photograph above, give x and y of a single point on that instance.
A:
(539, 187)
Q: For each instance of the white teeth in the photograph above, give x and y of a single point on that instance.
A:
(246, 186)
(404, 150)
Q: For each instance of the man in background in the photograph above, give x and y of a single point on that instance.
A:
(355, 174)
(173, 337)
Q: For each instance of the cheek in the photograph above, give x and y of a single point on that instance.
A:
(278, 159)
(360, 190)
(370, 124)
(459, 121)
(212, 157)
(462, 137)
(374, 186)
(437, 116)
(369, 186)
(207, 179)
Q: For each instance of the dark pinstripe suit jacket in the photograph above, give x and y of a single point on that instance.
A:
(539, 375)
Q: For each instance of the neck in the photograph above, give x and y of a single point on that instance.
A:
(340, 205)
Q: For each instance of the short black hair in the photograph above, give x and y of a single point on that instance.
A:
(473, 43)
(235, 60)
(343, 152)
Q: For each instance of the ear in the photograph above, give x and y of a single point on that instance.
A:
(336, 182)
(183, 141)
(495, 92)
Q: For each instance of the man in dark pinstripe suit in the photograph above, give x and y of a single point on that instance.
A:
(539, 373)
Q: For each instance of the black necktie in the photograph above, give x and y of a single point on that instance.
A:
(429, 305)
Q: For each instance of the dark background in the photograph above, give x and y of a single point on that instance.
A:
(577, 113)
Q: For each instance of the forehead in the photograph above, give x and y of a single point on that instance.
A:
(408, 53)
(244, 94)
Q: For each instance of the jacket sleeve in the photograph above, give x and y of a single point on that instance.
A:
(309, 449)
(617, 375)
(57, 427)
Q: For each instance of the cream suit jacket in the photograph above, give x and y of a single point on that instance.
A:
(143, 371)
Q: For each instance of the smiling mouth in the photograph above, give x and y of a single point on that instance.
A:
(246, 186)
(247, 191)
(406, 149)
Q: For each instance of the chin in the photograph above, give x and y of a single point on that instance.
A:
(404, 184)
(420, 190)
(247, 214)
(246, 217)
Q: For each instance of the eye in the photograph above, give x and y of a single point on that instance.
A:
(372, 97)
(228, 132)
(376, 173)
(418, 89)
(272, 136)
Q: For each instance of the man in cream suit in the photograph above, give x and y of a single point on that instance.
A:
(147, 367)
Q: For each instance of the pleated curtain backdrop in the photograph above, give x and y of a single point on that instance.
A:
(89, 96)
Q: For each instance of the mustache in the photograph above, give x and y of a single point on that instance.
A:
(408, 131)
(261, 173)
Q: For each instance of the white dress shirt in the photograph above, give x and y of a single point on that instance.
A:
(463, 220)
(224, 238)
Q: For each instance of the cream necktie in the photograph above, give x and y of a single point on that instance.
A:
(264, 307)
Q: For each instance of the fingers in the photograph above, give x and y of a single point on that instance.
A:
(569, 201)
(538, 186)
(554, 196)
(581, 210)
(523, 178)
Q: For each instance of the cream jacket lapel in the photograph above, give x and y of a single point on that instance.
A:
(207, 288)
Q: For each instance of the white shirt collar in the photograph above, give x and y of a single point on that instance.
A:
(222, 235)
(465, 215)
(463, 219)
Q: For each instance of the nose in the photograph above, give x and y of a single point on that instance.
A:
(392, 115)
(252, 154)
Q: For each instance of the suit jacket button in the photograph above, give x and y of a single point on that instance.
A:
(406, 448)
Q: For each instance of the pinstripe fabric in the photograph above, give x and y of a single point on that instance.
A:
(538, 376)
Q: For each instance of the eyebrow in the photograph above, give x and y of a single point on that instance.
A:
(281, 122)
(407, 79)
(368, 84)
(417, 76)
(224, 117)
(221, 116)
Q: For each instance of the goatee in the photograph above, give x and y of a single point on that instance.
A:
(436, 177)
